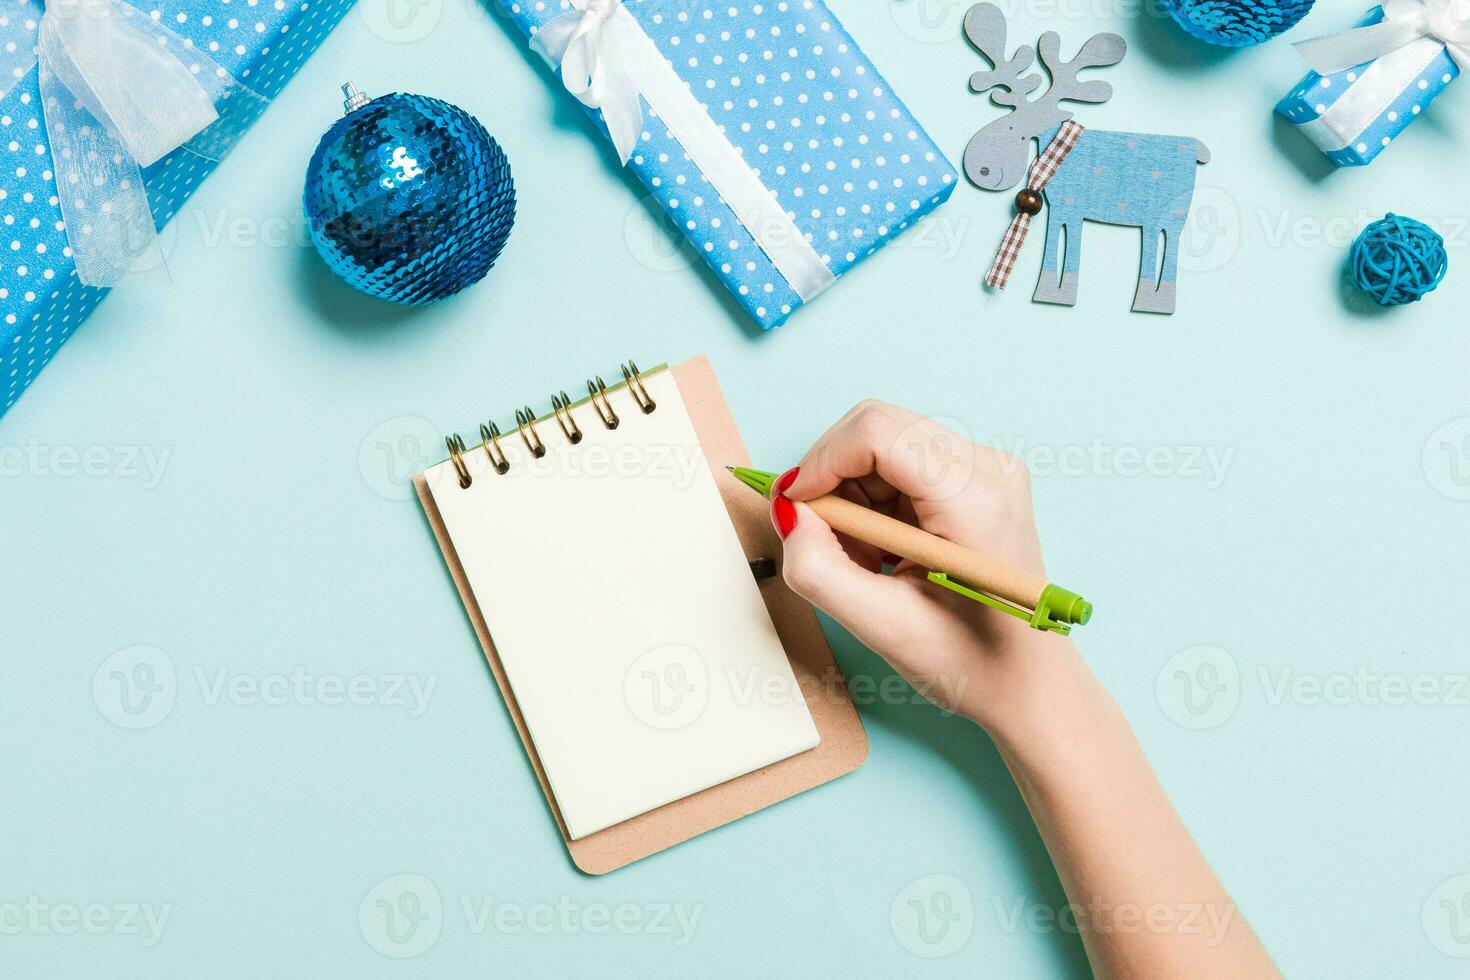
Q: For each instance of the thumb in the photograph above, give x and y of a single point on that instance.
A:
(817, 568)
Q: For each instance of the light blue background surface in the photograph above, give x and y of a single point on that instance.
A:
(279, 538)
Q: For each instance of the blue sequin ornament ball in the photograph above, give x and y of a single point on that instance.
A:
(408, 198)
(1237, 23)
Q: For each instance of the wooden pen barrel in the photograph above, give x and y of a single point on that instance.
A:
(930, 551)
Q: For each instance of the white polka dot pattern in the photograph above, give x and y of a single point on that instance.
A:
(260, 42)
(1353, 138)
(807, 111)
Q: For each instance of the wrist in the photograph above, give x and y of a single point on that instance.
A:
(1048, 702)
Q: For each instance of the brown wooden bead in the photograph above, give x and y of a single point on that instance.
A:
(1028, 201)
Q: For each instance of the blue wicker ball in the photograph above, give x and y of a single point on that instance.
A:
(1397, 260)
(1237, 23)
(408, 199)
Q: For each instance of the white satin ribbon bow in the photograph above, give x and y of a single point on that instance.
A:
(608, 62)
(1404, 22)
(587, 44)
(119, 91)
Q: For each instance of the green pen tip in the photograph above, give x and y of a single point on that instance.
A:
(758, 480)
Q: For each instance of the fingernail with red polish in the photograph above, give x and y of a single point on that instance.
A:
(784, 481)
(783, 515)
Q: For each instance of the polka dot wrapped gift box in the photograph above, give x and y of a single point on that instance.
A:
(260, 43)
(1352, 112)
(761, 129)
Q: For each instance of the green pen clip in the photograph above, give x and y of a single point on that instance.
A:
(1069, 606)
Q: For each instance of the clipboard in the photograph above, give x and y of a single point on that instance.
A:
(844, 742)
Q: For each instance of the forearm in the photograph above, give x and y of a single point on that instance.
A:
(1145, 900)
(1146, 903)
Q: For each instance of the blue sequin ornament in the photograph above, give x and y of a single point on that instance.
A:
(1396, 260)
(1237, 23)
(408, 198)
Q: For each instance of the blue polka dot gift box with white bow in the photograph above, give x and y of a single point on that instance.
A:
(764, 133)
(110, 115)
(1368, 83)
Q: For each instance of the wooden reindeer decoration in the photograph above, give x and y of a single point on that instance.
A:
(1131, 179)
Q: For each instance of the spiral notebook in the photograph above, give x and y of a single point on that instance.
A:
(610, 584)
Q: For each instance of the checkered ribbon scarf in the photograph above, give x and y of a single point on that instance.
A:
(1042, 171)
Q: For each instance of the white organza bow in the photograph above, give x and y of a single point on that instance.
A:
(119, 91)
(1404, 21)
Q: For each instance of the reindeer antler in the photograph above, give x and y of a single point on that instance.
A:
(985, 26)
(995, 157)
(1098, 51)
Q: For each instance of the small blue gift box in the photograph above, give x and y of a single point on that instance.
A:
(809, 120)
(1351, 115)
(41, 300)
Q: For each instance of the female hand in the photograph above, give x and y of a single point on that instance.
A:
(1118, 845)
(963, 655)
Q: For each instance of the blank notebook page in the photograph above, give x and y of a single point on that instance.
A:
(624, 611)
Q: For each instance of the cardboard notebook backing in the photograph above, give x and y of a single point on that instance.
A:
(844, 743)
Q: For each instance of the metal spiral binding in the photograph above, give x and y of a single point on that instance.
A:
(526, 422)
(604, 409)
(634, 381)
(561, 409)
(490, 435)
(456, 456)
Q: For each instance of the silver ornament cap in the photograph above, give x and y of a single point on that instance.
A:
(352, 99)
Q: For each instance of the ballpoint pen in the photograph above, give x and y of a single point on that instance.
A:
(1043, 604)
